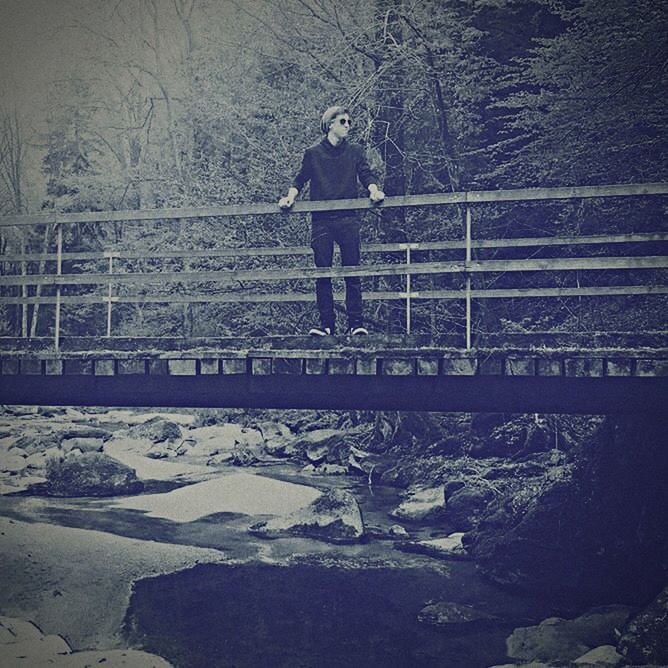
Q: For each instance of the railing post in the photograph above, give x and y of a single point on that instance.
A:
(111, 271)
(59, 271)
(467, 264)
(24, 289)
(408, 290)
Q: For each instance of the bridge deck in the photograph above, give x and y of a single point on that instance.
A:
(587, 373)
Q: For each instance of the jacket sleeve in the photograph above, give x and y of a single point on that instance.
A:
(364, 172)
(304, 173)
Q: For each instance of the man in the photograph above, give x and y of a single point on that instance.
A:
(334, 166)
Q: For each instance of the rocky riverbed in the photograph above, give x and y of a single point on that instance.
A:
(148, 538)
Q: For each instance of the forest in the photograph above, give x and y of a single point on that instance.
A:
(193, 103)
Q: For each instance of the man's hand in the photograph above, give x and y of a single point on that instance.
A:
(287, 201)
(376, 195)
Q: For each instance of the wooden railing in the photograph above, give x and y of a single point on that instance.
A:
(466, 267)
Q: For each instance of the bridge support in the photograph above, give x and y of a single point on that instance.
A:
(413, 393)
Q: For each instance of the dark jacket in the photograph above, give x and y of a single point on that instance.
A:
(333, 172)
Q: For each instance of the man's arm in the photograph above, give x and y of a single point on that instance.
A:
(302, 177)
(368, 179)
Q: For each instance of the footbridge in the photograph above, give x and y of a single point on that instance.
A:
(82, 312)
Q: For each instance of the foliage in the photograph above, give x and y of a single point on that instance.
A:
(204, 102)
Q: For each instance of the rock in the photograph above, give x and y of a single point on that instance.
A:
(557, 639)
(450, 446)
(112, 658)
(219, 459)
(10, 463)
(243, 456)
(449, 547)
(580, 536)
(160, 451)
(317, 452)
(604, 655)
(85, 432)
(18, 630)
(446, 614)
(466, 505)
(19, 452)
(277, 447)
(334, 516)
(277, 436)
(90, 474)
(82, 444)
(325, 469)
(23, 644)
(37, 443)
(645, 637)
(37, 460)
(397, 531)
(422, 504)
(317, 440)
(219, 438)
(156, 429)
(453, 486)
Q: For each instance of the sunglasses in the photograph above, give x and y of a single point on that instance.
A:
(345, 121)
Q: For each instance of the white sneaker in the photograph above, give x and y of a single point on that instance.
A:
(359, 331)
(320, 331)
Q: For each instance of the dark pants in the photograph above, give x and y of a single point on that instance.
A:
(346, 233)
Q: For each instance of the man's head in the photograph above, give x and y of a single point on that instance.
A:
(336, 118)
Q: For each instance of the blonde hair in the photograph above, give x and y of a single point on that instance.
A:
(330, 114)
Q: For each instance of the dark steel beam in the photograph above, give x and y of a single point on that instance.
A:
(411, 393)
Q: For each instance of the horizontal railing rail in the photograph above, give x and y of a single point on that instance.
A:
(277, 251)
(467, 197)
(231, 276)
(231, 284)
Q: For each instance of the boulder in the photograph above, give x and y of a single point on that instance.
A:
(90, 474)
(242, 455)
(23, 644)
(421, 504)
(156, 429)
(580, 536)
(334, 517)
(445, 614)
(81, 431)
(556, 639)
(37, 460)
(466, 505)
(276, 437)
(278, 446)
(216, 439)
(83, 444)
(38, 442)
(449, 547)
(317, 441)
(11, 463)
(605, 655)
(645, 637)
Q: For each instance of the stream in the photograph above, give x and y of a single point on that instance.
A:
(296, 601)
(293, 601)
